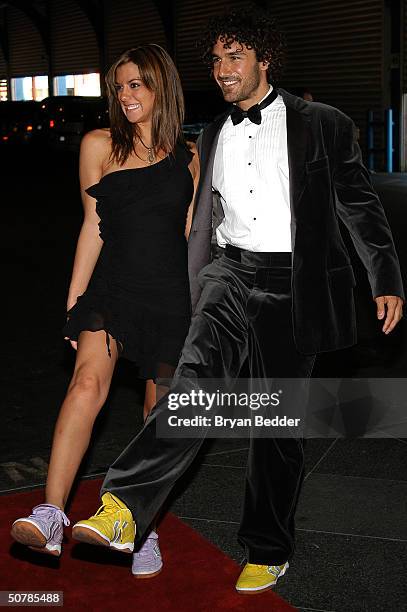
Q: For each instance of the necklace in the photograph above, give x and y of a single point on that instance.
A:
(150, 152)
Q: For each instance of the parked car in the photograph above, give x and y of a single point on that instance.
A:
(65, 119)
(20, 122)
(191, 131)
(200, 109)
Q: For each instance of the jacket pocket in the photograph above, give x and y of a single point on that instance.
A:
(343, 275)
(318, 164)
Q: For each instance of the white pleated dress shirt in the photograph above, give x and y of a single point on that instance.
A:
(251, 176)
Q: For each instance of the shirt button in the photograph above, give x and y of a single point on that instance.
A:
(254, 218)
(249, 136)
(249, 164)
(251, 190)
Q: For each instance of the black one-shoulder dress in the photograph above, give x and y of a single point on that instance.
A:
(139, 290)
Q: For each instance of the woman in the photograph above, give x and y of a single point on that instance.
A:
(129, 293)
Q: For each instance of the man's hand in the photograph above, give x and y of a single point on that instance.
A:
(391, 307)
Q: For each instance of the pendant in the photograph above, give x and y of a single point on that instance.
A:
(150, 156)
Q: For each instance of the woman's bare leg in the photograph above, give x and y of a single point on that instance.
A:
(150, 398)
(147, 561)
(153, 393)
(86, 395)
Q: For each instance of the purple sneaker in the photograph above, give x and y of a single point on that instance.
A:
(147, 562)
(43, 530)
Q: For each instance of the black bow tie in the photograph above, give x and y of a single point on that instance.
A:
(254, 113)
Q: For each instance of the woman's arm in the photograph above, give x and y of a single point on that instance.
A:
(194, 169)
(95, 148)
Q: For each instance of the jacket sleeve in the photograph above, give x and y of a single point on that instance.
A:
(361, 211)
(198, 144)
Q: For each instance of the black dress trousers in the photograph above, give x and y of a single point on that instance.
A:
(245, 311)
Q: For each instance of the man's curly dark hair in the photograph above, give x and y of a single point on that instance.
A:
(252, 27)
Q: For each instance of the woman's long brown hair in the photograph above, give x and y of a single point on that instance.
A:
(159, 74)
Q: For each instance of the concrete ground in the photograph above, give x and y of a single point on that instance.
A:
(351, 521)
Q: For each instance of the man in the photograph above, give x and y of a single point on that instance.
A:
(280, 174)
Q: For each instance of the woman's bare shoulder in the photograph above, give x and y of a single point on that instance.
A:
(96, 147)
(99, 138)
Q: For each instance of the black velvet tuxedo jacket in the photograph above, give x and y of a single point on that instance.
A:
(327, 181)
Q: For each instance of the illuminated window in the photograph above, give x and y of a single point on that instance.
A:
(40, 87)
(3, 90)
(77, 85)
(29, 88)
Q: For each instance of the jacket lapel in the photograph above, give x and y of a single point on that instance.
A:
(298, 132)
(207, 149)
(298, 141)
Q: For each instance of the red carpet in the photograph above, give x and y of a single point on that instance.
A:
(196, 576)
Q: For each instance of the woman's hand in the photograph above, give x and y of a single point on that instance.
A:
(73, 343)
(70, 304)
(194, 170)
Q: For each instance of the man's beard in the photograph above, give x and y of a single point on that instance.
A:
(249, 86)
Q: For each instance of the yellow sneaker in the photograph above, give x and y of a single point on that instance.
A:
(257, 578)
(112, 525)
